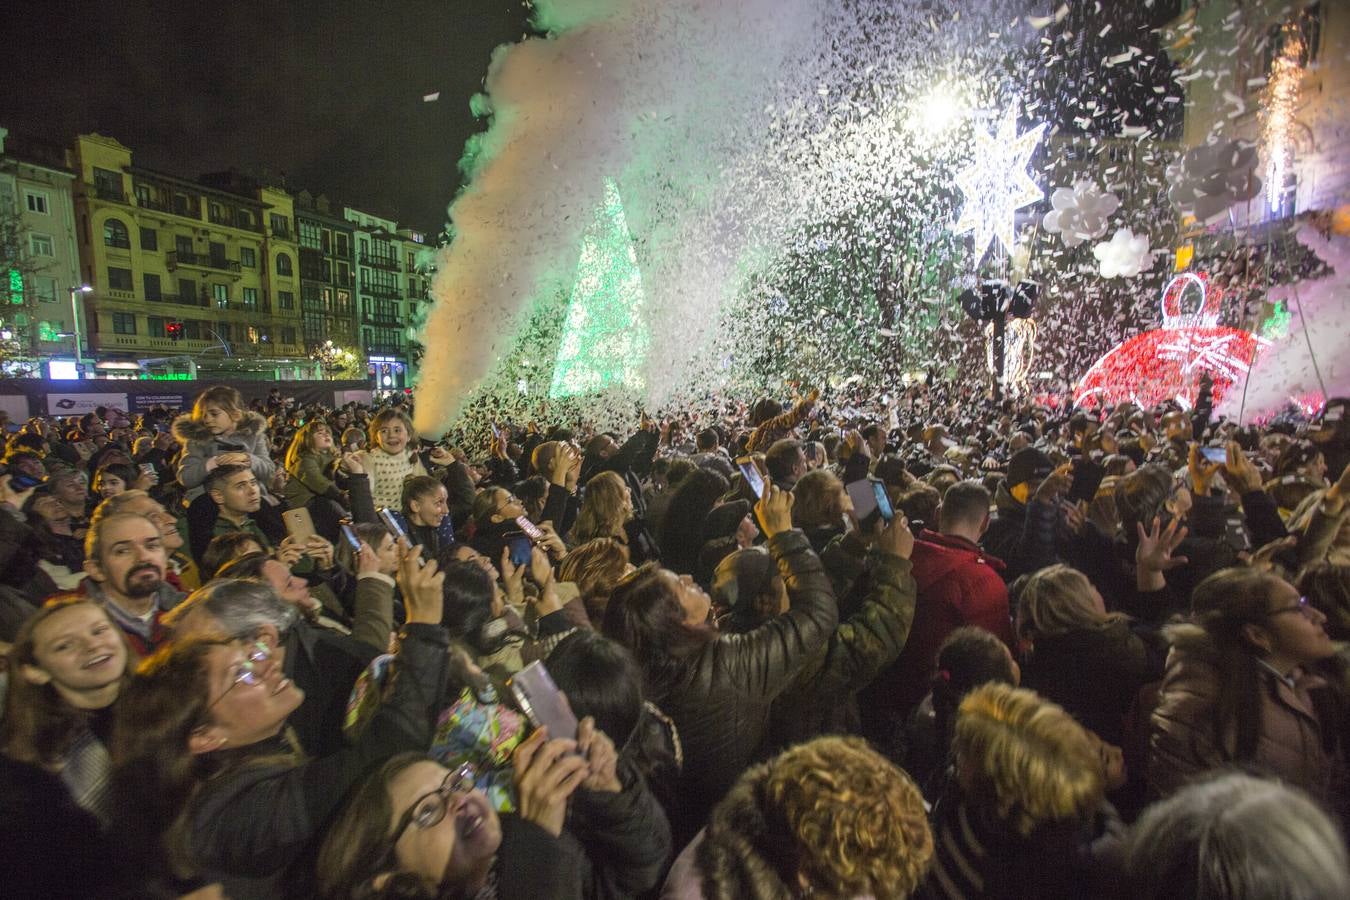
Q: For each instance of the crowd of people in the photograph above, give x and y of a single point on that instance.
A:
(921, 644)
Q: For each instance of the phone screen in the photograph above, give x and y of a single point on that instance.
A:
(520, 547)
(864, 499)
(525, 525)
(20, 481)
(541, 701)
(1214, 454)
(391, 522)
(352, 540)
(883, 500)
(750, 472)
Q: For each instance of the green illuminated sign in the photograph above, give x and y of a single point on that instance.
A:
(15, 286)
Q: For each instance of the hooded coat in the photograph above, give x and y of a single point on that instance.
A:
(958, 584)
(199, 445)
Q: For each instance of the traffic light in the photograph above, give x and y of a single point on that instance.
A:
(174, 330)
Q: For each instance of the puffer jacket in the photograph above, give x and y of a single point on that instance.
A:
(199, 445)
(1022, 535)
(823, 697)
(1294, 742)
(958, 584)
(721, 701)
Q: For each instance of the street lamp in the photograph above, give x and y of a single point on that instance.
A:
(75, 316)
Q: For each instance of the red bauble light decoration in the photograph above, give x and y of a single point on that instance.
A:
(1166, 363)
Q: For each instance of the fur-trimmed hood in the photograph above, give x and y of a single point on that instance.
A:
(188, 430)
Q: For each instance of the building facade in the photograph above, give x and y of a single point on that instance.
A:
(41, 264)
(1273, 73)
(327, 274)
(187, 276)
(382, 264)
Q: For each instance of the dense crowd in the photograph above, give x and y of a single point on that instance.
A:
(922, 644)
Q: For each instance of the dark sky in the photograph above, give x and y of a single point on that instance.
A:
(328, 93)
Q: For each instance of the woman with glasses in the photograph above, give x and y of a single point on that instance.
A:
(208, 783)
(416, 829)
(1242, 689)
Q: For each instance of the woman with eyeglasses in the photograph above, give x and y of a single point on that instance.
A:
(67, 669)
(1242, 689)
(208, 783)
(416, 830)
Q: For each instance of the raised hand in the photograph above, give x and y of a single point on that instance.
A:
(1239, 472)
(1156, 545)
(774, 510)
(547, 773)
(421, 585)
(897, 539)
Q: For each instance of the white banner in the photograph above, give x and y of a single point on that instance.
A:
(342, 398)
(17, 407)
(79, 404)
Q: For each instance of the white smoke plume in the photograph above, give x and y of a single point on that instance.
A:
(646, 93)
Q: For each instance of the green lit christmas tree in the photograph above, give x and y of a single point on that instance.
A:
(605, 338)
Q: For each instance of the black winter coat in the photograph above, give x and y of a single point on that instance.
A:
(1095, 674)
(720, 701)
(256, 817)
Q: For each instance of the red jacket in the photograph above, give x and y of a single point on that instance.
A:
(958, 584)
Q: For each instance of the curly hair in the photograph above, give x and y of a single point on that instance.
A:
(595, 567)
(833, 811)
(1025, 758)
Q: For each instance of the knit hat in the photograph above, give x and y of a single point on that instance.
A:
(741, 577)
(723, 520)
(1028, 464)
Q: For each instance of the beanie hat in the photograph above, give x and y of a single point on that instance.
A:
(723, 520)
(1028, 464)
(740, 578)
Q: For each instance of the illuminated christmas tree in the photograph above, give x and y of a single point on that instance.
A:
(605, 337)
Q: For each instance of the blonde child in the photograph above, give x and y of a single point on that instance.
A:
(391, 458)
(220, 431)
(308, 461)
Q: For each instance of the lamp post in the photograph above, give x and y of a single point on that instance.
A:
(75, 314)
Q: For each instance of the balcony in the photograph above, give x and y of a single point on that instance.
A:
(380, 262)
(175, 258)
(110, 192)
(147, 203)
(381, 321)
(382, 290)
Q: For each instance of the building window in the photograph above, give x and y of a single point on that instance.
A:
(284, 264)
(115, 234)
(327, 241)
(248, 257)
(253, 334)
(223, 330)
(108, 184)
(288, 334)
(187, 291)
(280, 225)
(44, 288)
(343, 246)
(124, 323)
(286, 299)
(309, 234)
(192, 330)
(149, 239)
(142, 193)
(221, 293)
(183, 244)
(250, 297)
(36, 202)
(41, 245)
(326, 271)
(119, 279)
(154, 326)
(153, 292)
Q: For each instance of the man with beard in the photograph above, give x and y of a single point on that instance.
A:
(182, 571)
(125, 561)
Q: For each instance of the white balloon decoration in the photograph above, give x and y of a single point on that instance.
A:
(1080, 212)
(1124, 256)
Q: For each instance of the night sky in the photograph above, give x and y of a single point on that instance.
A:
(328, 93)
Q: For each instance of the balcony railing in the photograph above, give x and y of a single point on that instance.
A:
(384, 321)
(381, 290)
(380, 262)
(147, 203)
(175, 258)
(110, 192)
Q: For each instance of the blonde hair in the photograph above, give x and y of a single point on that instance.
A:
(227, 398)
(601, 513)
(303, 443)
(595, 567)
(833, 809)
(1025, 757)
(1056, 600)
(817, 499)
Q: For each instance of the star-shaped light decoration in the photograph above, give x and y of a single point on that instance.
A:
(996, 184)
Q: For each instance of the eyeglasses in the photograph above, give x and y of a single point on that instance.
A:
(1302, 607)
(429, 810)
(248, 671)
(510, 498)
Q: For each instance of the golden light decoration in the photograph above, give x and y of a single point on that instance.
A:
(1019, 352)
(1280, 102)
